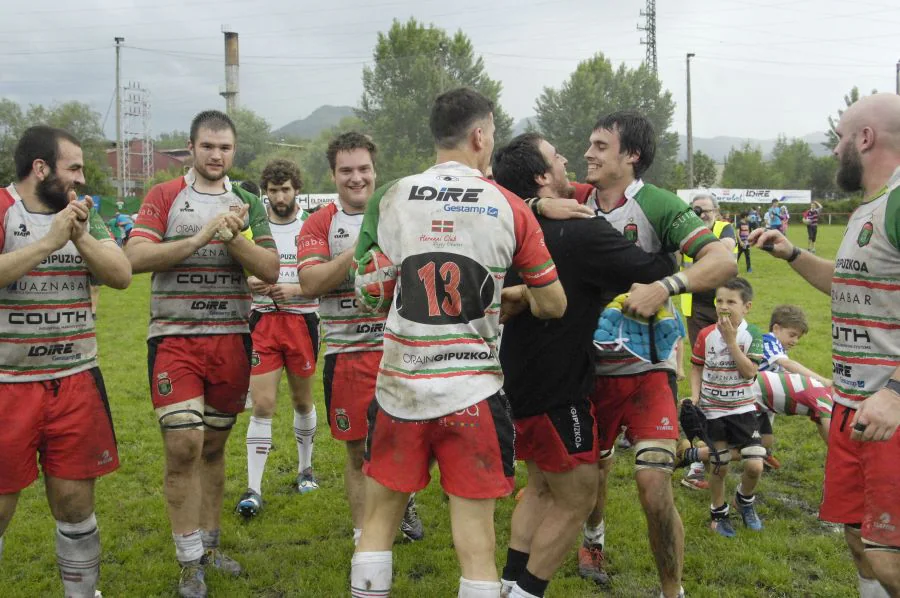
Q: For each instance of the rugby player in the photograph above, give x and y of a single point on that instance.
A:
(285, 336)
(546, 367)
(188, 233)
(352, 338)
(627, 391)
(862, 482)
(453, 234)
(53, 403)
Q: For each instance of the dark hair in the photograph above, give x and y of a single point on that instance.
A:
(453, 114)
(636, 136)
(39, 143)
(250, 187)
(349, 141)
(279, 171)
(740, 285)
(516, 164)
(789, 316)
(214, 120)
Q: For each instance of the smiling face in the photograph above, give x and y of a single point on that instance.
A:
(606, 164)
(213, 153)
(354, 177)
(730, 304)
(55, 181)
(556, 179)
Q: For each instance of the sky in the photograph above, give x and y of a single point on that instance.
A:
(762, 67)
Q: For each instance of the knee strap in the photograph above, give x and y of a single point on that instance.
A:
(655, 454)
(187, 415)
(753, 451)
(213, 419)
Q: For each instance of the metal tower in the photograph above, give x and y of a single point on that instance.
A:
(137, 138)
(650, 29)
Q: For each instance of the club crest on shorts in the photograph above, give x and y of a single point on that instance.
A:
(254, 359)
(865, 234)
(341, 420)
(164, 384)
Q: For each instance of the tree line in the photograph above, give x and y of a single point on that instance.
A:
(413, 63)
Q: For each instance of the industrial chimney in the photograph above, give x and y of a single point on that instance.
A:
(232, 64)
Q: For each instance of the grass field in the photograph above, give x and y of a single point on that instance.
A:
(301, 546)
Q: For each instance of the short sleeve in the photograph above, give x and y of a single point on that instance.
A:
(259, 224)
(698, 353)
(153, 216)
(312, 244)
(892, 218)
(531, 258)
(755, 351)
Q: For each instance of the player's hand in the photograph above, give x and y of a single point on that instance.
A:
(880, 414)
(234, 222)
(278, 292)
(563, 209)
(62, 228)
(512, 302)
(727, 330)
(645, 299)
(82, 211)
(772, 241)
(257, 286)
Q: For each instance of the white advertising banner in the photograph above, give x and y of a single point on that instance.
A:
(750, 196)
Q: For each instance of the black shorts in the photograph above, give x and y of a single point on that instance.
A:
(765, 422)
(811, 232)
(738, 430)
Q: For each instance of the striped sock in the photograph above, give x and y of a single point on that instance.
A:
(304, 433)
(259, 443)
(370, 574)
(78, 556)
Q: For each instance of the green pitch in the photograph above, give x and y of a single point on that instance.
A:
(301, 545)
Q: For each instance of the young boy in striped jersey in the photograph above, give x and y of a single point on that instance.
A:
(787, 386)
(725, 362)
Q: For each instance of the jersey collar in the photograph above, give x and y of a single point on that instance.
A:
(191, 176)
(14, 192)
(454, 168)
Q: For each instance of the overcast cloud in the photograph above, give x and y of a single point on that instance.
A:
(763, 67)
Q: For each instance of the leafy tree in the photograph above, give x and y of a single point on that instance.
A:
(76, 118)
(172, 140)
(849, 100)
(253, 136)
(567, 115)
(705, 173)
(821, 179)
(414, 64)
(745, 168)
(792, 164)
(314, 164)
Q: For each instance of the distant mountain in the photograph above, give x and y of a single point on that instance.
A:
(322, 118)
(718, 147)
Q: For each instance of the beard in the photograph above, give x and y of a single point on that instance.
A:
(53, 193)
(212, 178)
(850, 170)
(283, 211)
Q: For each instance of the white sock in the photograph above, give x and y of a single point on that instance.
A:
(480, 589)
(680, 594)
(304, 433)
(357, 534)
(870, 588)
(370, 574)
(506, 587)
(259, 442)
(697, 468)
(78, 556)
(188, 547)
(595, 535)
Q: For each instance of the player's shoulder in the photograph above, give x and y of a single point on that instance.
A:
(707, 332)
(322, 216)
(246, 197)
(658, 194)
(755, 331)
(6, 200)
(582, 192)
(168, 190)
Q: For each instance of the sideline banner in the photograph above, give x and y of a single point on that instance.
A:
(751, 196)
